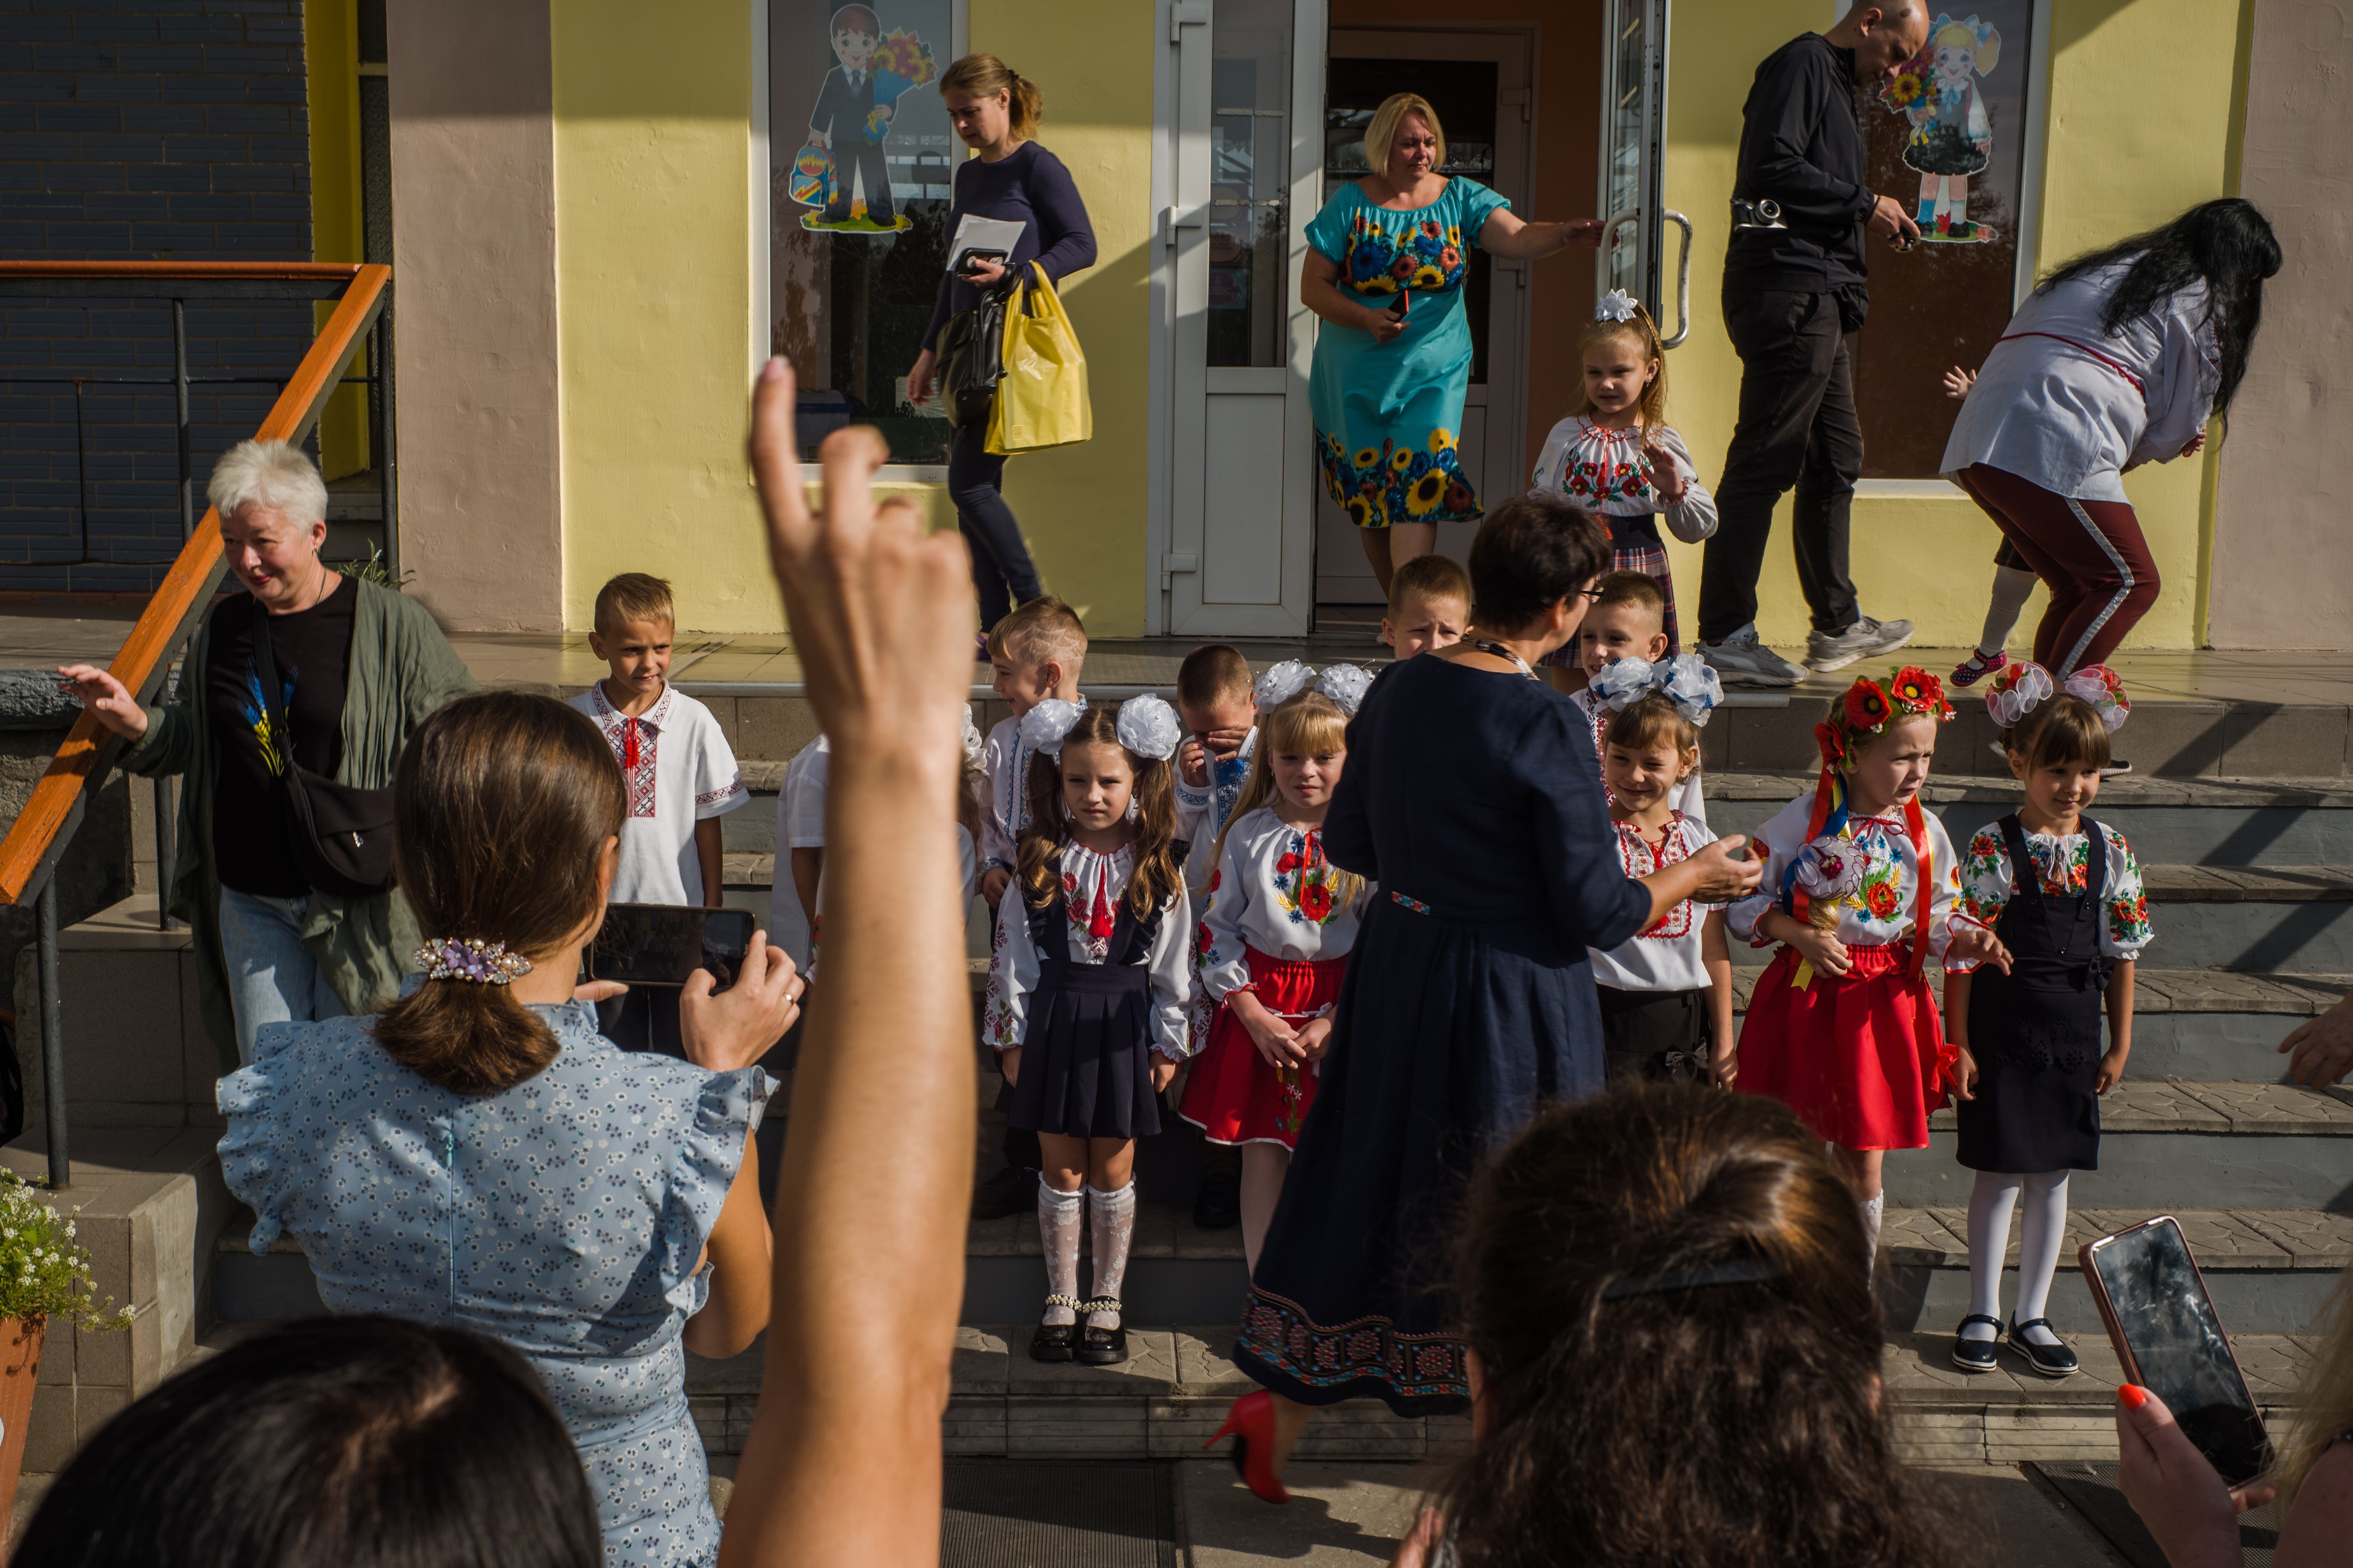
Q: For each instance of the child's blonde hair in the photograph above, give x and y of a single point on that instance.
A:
(1984, 48)
(1157, 877)
(1644, 335)
(633, 596)
(1310, 723)
(1045, 629)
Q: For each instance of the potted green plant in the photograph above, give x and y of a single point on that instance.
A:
(44, 1274)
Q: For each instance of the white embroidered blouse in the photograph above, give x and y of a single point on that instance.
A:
(2064, 861)
(1005, 761)
(1601, 469)
(1274, 890)
(1092, 886)
(1881, 912)
(1685, 797)
(1666, 957)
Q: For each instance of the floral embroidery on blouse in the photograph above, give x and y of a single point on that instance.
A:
(1304, 878)
(1883, 910)
(2063, 863)
(1387, 251)
(1639, 860)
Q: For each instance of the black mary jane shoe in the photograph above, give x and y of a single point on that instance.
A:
(1057, 1341)
(2051, 1361)
(1977, 1355)
(1102, 1347)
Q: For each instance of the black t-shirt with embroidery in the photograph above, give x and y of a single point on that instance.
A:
(312, 649)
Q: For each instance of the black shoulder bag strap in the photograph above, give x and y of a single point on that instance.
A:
(340, 835)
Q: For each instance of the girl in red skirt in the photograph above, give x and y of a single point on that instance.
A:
(1859, 881)
(1273, 944)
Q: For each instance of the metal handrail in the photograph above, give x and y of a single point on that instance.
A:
(38, 839)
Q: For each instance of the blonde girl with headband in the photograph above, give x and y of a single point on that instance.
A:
(1617, 457)
(1666, 991)
(1087, 991)
(1859, 881)
(1274, 938)
(2063, 895)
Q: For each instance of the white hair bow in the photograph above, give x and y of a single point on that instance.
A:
(1344, 684)
(1044, 726)
(1688, 680)
(2026, 686)
(973, 743)
(1280, 683)
(1616, 306)
(1149, 727)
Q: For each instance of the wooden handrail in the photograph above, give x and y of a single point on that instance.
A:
(29, 853)
(279, 271)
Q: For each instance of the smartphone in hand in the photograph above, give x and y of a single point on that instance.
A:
(664, 944)
(2163, 1324)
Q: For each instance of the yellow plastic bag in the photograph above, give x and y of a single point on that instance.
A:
(1042, 401)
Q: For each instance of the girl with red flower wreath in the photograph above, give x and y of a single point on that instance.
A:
(1843, 1028)
(1273, 949)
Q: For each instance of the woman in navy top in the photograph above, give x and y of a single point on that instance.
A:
(1470, 799)
(995, 111)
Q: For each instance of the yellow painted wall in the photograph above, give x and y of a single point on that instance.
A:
(1082, 508)
(2141, 126)
(331, 60)
(654, 248)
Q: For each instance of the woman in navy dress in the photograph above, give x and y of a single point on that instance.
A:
(1470, 799)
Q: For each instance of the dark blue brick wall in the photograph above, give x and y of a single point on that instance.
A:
(138, 131)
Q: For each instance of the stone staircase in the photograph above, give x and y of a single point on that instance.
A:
(2250, 881)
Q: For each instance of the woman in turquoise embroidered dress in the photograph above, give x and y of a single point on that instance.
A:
(1385, 266)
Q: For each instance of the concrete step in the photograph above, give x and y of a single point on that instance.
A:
(1168, 1398)
(2189, 821)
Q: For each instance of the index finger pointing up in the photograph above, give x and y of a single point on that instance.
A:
(775, 462)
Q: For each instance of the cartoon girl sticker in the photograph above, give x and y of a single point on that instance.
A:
(1952, 136)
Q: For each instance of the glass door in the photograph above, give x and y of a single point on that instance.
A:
(1633, 141)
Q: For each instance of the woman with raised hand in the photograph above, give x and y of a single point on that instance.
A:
(843, 1461)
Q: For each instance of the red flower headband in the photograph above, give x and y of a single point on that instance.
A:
(1870, 706)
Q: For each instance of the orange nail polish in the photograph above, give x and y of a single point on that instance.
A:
(2132, 1394)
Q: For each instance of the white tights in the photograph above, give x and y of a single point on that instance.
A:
(2041, 1232)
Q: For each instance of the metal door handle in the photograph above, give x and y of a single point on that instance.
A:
(1683, 280)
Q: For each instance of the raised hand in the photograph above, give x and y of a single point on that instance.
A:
(1957, 382)
(108, 697)
(1666, 479)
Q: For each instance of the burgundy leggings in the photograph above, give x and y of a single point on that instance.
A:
(2089, 553)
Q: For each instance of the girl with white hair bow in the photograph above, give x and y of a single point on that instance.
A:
(1087, 990)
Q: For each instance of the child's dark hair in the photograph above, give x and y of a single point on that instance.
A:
(1213, 673)
(1666, 1288)
(502, 804)
(1648, 719)
(1158, 875)
(1428, 577)
(2062, 729)
(1644, 334)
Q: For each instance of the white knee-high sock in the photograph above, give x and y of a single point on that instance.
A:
(2012, 584)
(2042, 1229)
(1990, 1201)
(1114, 1214)
(1874, 1207)
(1059, 1215)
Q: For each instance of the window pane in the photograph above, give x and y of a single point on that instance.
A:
(1959, 106)
(1250, 143)
(854, 273)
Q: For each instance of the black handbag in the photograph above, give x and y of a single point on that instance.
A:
(972, 356)
(341, 834)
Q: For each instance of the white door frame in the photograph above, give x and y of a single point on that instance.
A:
(1181, 379)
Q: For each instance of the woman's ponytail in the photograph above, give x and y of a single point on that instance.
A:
(985, 76)
(502, 805)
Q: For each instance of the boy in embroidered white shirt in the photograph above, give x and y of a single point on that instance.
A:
(1627, 621)
(681, 775)
(1034, 653)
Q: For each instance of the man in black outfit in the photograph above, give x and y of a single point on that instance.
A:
(1793, 299)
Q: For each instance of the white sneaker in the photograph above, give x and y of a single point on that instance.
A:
(1741, 658)
(1826, 651)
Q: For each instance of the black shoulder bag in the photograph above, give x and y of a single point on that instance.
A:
(972, 356)
(341, 834)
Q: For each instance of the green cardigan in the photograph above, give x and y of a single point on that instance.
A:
(401, 669)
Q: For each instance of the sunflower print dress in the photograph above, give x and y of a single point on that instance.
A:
(1387, 415)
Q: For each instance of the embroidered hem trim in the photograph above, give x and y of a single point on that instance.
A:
(1280, 1333)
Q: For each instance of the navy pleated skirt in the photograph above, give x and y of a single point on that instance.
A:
(1085, 1069)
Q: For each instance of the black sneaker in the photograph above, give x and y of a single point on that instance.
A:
(2051, 1361)
(1977, 1355)
(1010, 1192)
(1218, 1204)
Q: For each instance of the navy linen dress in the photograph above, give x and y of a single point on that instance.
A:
(1469, 797)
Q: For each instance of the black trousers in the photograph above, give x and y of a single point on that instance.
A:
(1796, 427)
(854, 152)
(1002, 574)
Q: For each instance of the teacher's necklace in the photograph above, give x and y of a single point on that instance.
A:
(1500, 651)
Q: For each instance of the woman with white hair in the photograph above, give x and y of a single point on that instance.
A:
(358, 667)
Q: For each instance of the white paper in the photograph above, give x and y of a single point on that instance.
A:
(976, 233)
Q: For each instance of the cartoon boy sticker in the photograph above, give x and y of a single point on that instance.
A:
(849, 123)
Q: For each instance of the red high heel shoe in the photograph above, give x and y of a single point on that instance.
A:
(1249, 1422)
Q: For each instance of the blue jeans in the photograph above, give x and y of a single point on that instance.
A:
(272, 978)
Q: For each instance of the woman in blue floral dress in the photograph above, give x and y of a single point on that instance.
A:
(1385, 266)
(478, 1155)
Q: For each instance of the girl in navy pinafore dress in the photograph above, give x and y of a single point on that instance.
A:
(1087, 990)
(2063, 895)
